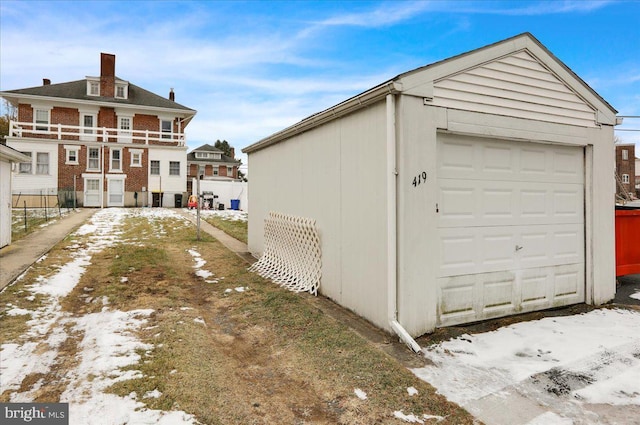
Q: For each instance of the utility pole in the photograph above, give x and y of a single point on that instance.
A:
(199, 203)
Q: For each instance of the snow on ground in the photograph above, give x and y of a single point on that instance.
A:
(635, 296)
(232, 215)
(108, 344)
(199, 263)
(565, 363)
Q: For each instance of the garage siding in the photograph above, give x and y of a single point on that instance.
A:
(517, 85)
(334, 174)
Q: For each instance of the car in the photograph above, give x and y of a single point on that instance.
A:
(193, 202)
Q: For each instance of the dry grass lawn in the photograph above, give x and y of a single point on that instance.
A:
(263, 356)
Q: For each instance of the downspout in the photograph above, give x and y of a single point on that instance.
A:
(392, 237)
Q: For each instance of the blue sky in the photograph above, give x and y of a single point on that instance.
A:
(251, 68)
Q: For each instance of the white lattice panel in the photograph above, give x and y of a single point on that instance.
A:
(292, 256)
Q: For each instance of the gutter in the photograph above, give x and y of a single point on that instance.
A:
(392, 236)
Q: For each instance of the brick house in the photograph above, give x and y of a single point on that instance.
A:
(212, 164)
(625, 170)
(104, 139)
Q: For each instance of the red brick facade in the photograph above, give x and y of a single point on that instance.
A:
(626, 168)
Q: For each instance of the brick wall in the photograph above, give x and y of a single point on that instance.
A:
(626, 166)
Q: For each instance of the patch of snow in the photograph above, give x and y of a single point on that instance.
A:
(564, 361)
(550, 418)
(18, 312)
(360, 394)
(186, 308)
(199, 320)
(124, 279)
(241, 289)
(412, 391)
(152, 394)
(411, 418)
(635, 296)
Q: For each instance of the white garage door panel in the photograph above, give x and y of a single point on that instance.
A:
(469, 250)
(511, 227)
(476, 159)
(489, 203)
(486, 295)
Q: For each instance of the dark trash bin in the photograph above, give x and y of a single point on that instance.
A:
(178, 200)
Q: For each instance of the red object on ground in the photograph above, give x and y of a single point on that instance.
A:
(627, 241)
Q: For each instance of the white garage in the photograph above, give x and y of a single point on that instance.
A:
(8, 157)
(472, 188)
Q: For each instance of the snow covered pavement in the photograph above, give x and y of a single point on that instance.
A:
(569, 370)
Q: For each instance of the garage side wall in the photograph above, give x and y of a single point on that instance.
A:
(334, 174)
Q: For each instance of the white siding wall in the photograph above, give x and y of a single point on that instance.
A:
(5, 203)
(334, 174)
(170, 185)
(517, 86)
(35, 183)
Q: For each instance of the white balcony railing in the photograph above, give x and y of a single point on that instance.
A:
(93, 134)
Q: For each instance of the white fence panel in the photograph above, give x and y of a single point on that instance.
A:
(226, 191)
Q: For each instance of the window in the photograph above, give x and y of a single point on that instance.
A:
(229, 171)
(121, 91)
(93, 162)
(72, 154)
(202, 155)
(166, 128)
(154, 169)
(125, 124)
(25, 167)
(41, 117)
(174, 168)
(201, 169)
(116, 159)
(625, 155)
(215, 171)
(42, 163)
(94, 88)
(136, 157)
(625, 178)
(87, 123)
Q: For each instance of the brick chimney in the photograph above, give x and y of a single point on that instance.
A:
(107, 74)
(172, 95)
(46, 81)
(232, 151)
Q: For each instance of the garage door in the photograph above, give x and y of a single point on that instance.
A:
(510, 229)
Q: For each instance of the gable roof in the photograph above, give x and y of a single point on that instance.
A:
(77, 91)
(420, 82)
(191, 156)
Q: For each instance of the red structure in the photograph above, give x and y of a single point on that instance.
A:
(627, 241)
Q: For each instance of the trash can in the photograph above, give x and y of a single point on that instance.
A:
(178, 200)
(235, 204)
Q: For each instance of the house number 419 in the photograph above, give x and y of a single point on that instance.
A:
(420, 178)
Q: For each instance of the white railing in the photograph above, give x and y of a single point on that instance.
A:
(93, 134)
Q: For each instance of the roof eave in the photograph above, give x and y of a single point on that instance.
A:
(348, 106)
(187, 113)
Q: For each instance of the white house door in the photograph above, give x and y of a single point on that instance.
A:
(115, 193)
(92, 192)
(510, 227)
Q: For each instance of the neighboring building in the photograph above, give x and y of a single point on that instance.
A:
(625, 170)
(114, 143)
(211, 164)
(472, 188)
(9, 158)
(638, 177)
